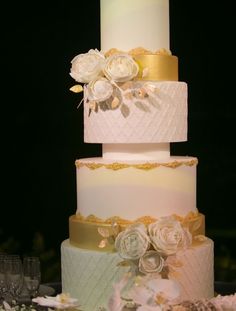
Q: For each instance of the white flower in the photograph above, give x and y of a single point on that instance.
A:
(151, 262)
(120, 68)
(61, 301)
(133, 242)
(168, 236)
(154, 293)
(226, 302)
(87, 67)
(99, 89)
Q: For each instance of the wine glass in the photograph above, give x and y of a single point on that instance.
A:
(32, 275)
(3, 285)
(14, 275)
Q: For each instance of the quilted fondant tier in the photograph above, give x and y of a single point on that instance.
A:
(89, 276)
(160, 116)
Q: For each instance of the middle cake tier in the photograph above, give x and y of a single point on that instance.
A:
(135, 189)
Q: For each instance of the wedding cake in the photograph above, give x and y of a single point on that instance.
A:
(137, 222)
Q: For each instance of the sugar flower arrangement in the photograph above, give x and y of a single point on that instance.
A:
(109, 82)
(150, 249)
(161, 295)
(151, 253)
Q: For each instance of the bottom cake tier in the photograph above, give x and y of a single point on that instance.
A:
(90, 275)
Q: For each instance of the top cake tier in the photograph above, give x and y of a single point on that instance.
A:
(126, 24)
(151, 106)
(131, 89)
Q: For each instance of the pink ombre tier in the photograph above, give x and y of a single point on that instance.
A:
(106, 188)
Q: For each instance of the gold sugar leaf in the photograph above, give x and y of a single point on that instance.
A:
(160, 298)
(77, 88)
(103, 232)
(115, 103)
(103, 243)
(93, 105)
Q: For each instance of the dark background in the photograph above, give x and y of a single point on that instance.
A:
(42, 129)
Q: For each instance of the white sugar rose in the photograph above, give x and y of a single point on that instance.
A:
(99, 90)
(87, 67)
(151, 262)
(133, 242)
(120, 68)
(168, 236)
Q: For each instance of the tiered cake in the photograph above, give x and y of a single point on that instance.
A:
(136, 205)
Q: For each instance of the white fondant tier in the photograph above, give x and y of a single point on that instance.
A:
(134, 189)
(138, 152)
(159, 120)
(89, 275)
(132, 23)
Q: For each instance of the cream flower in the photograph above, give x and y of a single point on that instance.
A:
(151, 262)
(168, 236)
(133, 242)
(87, 67)
(99, 89)
(120, 68)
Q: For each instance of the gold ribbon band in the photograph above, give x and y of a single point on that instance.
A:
(83, 232)
(157, 67)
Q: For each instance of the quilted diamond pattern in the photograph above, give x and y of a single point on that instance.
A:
(168, 123)
(89, 275)
(197, 272)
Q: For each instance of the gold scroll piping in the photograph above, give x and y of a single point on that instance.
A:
(83, 232)
(157, 67)
(143, 166)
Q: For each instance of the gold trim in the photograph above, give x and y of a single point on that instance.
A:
(158, 67)
(138, 51)
(143, 166)
(83, 231)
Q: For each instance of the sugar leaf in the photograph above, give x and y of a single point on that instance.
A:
(76, 88)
